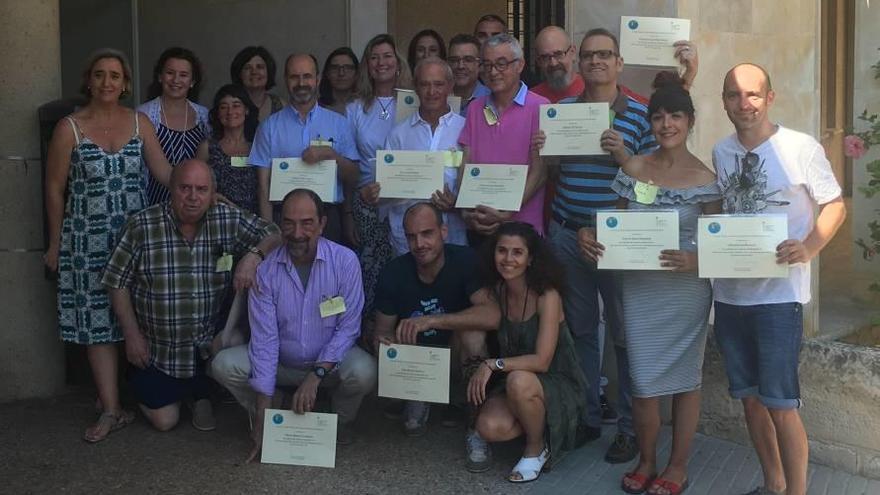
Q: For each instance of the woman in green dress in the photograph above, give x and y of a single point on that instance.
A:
(535, 387)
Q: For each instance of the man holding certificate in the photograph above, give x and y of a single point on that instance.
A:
(434, 127)
(305, 317)
(767, 168)
(307, 132)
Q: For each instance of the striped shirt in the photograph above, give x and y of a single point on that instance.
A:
(584, 183)
(176, 289)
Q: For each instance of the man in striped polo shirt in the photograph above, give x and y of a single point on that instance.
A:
(583, 185)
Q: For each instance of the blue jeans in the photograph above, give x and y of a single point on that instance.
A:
(761, 345)
(584, 284)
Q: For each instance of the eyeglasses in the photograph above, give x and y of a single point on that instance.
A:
(501, 65)
(466, 60)
(557, 55)
(342, 69)
(748, 164)
(587, 55)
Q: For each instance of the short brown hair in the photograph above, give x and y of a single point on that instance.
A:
(100, 54)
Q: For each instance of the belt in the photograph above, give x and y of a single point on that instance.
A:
(569, 224)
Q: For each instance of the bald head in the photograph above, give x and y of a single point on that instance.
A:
(552, 34)
(748, 70)
(296, 59)
(555, 57)
(747, 99)
(192, 191)
(191, 168)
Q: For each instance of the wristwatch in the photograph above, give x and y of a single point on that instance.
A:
(320, 372)
(259, 252)
(499, 364)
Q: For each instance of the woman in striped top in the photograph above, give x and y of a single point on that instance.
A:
(181, 124)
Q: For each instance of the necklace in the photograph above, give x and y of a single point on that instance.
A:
(385, 114)
(185, 115)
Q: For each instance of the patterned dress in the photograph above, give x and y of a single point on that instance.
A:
(103, 189)
(178, 147)
(238, 184)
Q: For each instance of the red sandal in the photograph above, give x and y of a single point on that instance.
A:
(671, 487)
(642, 480)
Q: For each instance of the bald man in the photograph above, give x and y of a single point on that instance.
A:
(765, 168)
(555, 57)
(167, 278)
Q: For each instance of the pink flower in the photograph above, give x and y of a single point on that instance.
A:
(854, 147)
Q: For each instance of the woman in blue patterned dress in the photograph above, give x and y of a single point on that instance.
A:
(96, 156)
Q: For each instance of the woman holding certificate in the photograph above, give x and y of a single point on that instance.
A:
(382, 69)
(665, 312)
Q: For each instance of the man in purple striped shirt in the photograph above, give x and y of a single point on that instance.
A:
(305, 317)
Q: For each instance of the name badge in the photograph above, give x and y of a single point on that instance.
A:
(332, 306)
(224, 263)
(645, 193)
(238, 161)
(452, 158)
(321, 142)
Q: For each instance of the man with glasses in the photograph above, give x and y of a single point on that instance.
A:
(464, 60)
(555, 56)
(499, 129)
(766, 168)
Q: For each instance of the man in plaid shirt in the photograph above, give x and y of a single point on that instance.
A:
(167, 279)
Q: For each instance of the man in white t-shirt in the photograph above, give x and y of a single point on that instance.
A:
(767, 168)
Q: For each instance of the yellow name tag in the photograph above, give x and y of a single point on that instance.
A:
(224, 263)
(452, 158)
(489, 115)
(238, 161)
(645, 193)
(332, 306)
(321, 142)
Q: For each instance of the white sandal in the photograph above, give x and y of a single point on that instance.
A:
(529, 468)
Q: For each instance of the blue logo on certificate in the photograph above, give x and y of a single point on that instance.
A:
(409, 100)
(277, 419)
(475, 172)
(389, 158)
(611, 222)
(714, 227)
(633, 24)
(551, 112)
(392, 353)
(284, 166)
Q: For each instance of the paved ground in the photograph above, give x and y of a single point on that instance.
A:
(42, 453)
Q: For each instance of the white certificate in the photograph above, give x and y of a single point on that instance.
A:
(293, 173)
(648, 40)
(299, 439)
(409, 174)
(408, 103)
(741, 246)
(633, 239)
(414, 372)
(498, 186)
(574, 128)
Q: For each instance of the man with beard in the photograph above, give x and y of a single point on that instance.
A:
(309, 131)
(464, 60)
(305, 316)
(555, 55)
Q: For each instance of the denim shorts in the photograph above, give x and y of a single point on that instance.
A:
(761, 345)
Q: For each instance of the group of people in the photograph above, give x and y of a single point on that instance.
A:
(167, 257)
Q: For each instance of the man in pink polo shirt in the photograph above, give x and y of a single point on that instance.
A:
(499, 130)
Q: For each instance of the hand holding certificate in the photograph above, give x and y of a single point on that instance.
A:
(414, 372)
(741, 246)
(408, 104)
(649, 40)
(293, 173)
(574, 128)
(633, 239)
(299, 439)
(499, 186)
(410, 174)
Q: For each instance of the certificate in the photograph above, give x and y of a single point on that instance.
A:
(299, 439)
(633, 239)
(574, 128)
(409, 174)
(648, 40)
(293, 173)
(741, 246)
(498, 186)
(408, 103)
(414, 372)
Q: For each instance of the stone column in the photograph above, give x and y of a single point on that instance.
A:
(31, 354)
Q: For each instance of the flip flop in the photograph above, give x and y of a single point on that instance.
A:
(530, 468)
(642, 480)
(113, 422)
(672, 487)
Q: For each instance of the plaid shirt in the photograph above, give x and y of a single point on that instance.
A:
(175, 288)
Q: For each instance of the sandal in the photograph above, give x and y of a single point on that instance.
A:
(671, 487)
(529, 468)
(111, 422)
(641, 482)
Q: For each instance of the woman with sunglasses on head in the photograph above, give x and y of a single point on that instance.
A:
(253, 68)
(665, 312)
(97, 157)
(337, 87)
(181, 124)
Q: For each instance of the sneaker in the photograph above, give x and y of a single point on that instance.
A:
(451, 416)
(416, 414)
(479, 456)
(203, 415)
(345, 434)
(623, 449)
(609, 414)
(394, 410)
